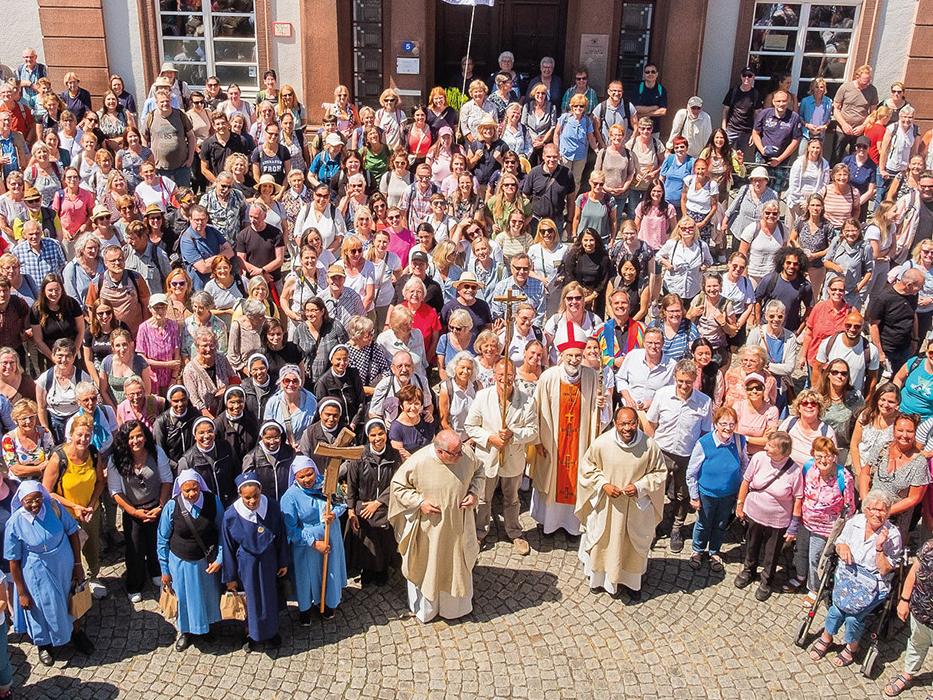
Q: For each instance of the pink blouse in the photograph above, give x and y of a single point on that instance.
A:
(74, 213)
(156, 343)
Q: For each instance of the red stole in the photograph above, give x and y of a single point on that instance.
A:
(568, 444)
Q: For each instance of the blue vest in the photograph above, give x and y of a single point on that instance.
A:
(721, 472)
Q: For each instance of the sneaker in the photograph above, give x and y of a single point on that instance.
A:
(677, 541)
(762, 593)
(135, 597)
(809, 599)
(521, 547)
(98, 590)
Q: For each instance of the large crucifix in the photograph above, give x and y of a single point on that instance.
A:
(509, 298)
(335, 452)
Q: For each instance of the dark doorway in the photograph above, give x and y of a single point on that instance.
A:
(528, 28)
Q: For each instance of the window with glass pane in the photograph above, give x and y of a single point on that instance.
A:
(367, 51)
(634, 42)
(804, 40)
(216, 38)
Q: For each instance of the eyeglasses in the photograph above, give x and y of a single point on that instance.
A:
(771, 214)
(321, 195)
(103, 313)
(650, 71)
(754, 387)
(390, 99)
(197, 103)
(522, 268)
(178, 283)
(897, 92)
(393, 217)
(290, 381)
(458, 453)
(509, 185)
(575, 297)
(855, 326)
(809, 402)
(837, 290)
(580, 78)
(354, 250)
(839, 373)
(457, 329)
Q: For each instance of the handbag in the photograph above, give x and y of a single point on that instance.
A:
(80, 601)
(168, 603)
(856, 589)
(233, 606)
(210, 553)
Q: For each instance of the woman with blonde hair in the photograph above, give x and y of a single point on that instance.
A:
(288, 104)
(573, 133)
(750, 359)
(446, 271)
(508, 198)
(805, 423)
(570, 310)
(390, 117)
(361, 274)
(15, 384)
(488, 351)
(539, 117)
(474, 111)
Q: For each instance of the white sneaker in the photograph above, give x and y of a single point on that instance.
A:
(135, 597)
(157, 581)
(98, 590)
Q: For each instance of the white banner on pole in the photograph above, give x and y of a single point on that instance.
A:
(474, 3)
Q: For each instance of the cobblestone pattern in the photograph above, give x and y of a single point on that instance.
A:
(536, 632)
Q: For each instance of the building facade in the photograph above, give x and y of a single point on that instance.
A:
(413, 45)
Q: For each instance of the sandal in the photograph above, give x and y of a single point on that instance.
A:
(792, 586)
(715, 563)
(898, 685)
(819, 648)
(845, 657)
(696, 561)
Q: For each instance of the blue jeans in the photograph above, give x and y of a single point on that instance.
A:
(855, 624)
(710, 527)
(180, 176)
(807, 557)
(57, 424)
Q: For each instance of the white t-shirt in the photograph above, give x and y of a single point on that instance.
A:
(741, 294)
(700, 200)
(854, 357)
(160, 195)
(358, 283)
(686, 278)
(762, 249)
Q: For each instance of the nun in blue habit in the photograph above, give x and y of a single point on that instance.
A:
(303, 507)
(255, 554)
(191, 555)
(41, 543)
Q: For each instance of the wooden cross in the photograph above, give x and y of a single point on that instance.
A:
(508, 299)
(335, 452)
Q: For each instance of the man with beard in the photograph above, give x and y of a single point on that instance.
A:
(385, 403)
(621, 500)
(568, 402)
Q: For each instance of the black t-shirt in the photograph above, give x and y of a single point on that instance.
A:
(271, 165)
(289, 354)
(548, 192)
(894, 314)
(487, 164)
(215, 154)
(651, 97)
(434, 297)
(100, 344)
(259, 246)
(60, 324)
(742, 105)
(792, 294)
(479, 312)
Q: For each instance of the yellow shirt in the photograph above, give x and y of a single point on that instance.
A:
(78, 481)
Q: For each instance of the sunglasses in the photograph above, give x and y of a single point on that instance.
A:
(809, 402)
(839, 373)
(457, 329)
(573, 298)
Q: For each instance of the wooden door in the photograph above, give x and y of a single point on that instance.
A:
(528, 28)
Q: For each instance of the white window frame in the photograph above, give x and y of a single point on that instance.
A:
(209, 62)
(798, 53)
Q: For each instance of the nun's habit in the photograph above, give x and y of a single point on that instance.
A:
(182, 558)
(41, 544)
(303, 511)
(216, 465)
(255, 548)
(272, 469)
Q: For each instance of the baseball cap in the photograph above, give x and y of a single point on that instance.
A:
(419, 256)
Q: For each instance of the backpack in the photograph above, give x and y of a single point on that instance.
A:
(627, 113)
(59, 452)
(866, 350)
(840, 475)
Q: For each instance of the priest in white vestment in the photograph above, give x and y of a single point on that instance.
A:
(432, 499)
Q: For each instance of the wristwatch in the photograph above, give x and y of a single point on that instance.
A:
(905, 600)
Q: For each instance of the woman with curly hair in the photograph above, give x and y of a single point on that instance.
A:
(140, 480)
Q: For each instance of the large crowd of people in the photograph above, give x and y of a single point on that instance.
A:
(538, 287)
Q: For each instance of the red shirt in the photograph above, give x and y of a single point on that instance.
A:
(874, 133)
(425, 320)
(20, 119)
(823, 321)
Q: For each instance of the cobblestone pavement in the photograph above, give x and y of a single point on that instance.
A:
(536, 632)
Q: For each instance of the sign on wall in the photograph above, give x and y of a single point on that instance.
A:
(594, 54)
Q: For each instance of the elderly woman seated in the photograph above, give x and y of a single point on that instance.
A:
(751, 359)
(868, 550)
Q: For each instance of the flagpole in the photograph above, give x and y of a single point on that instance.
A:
(469, 43)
